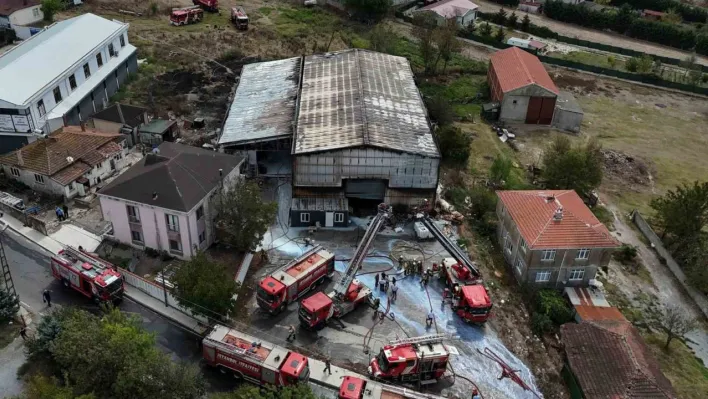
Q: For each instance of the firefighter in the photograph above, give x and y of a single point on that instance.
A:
(291, 333)
(23, 333)
(394, 292)
(425, 277)
(327, 367)
(376, 280)
(475, 394)
(429, 319)
(47, 298)
(393, 280)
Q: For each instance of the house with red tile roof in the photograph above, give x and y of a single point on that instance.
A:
(463, 11)
(609, 360)
(522, 87)
(551, 238)
(68, 162)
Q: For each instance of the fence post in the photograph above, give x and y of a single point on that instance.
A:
(164, 288)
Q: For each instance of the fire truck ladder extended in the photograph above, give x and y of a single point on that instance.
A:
(507, 371)
(407, 392)
(450, 246)
(425, 339)
(75, 253)
(233, 349)
(360, 254)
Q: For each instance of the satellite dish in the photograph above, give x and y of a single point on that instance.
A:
(70, 159)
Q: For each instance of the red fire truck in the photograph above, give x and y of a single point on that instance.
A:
(239, 18)
(349, 292)
(253, 360)
(473, 303)
(295, 279)
(91, 276)
(207, 5)
(187, 15)
(359, 388)
(421, 359)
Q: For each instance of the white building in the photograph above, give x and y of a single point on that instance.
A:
(167, 200)
(463, 11)
(60, 76)
(67, 163)
(17, 14)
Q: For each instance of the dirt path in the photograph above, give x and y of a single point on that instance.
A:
(595, 35)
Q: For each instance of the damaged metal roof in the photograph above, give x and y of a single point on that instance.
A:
(361, 98)
(264, 105)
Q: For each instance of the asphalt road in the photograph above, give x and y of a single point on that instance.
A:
(29, 265)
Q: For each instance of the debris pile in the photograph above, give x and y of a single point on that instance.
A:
(626, 169)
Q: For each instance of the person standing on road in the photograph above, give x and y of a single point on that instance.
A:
(376, 280)
(429, 320)
(393, 280)
(327, 367)
(47, 298)
(291, 333)
(65, 208)
(394, 292)
(23, 333)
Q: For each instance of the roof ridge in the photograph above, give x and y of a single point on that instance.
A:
(362, 108)
(190, 172)
(517, 51)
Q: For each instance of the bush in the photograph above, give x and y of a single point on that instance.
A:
(626, 255)
(50, 8)
(541, 323)
(454, 145)
(9, 306)
(552, 304)
(440, 110)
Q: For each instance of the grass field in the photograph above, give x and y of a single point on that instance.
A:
(686, 373)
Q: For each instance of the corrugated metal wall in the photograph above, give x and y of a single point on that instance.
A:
(402, 170)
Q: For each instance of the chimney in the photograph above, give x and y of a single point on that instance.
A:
(20, 160)
(83, 126)
(154, 195)
(558, 215)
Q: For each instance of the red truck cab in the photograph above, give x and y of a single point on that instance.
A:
(420, 358)
(88, 275)
(472, 303)
(207, 5)
(315, 310)
(271, 294)
(352, 388)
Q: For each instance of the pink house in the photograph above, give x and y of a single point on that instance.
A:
(167, 200)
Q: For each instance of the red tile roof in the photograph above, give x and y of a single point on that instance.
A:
(598, 313)
(533, 212)
(611, 361)
(516, 68)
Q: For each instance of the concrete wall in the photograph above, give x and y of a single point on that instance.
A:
(28, 177)
(526, 263)
(567, 120)
(106, 126)
(515, 104)
(402, 170)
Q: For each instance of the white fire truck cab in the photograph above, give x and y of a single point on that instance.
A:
(420, 358)
(251, 359)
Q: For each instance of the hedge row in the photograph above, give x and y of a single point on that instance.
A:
(689, 13)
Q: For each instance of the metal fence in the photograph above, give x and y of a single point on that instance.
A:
(697, 296)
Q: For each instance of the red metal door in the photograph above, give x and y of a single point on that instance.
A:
(533, 113)
(547, 109)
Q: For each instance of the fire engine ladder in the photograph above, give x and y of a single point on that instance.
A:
(450, 246)
(232, 348)
(7, 282)
(73, 252)
(420, 340)
(340, 289)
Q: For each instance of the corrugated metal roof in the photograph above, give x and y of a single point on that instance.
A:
(358, 97)
(264, 104)
(38, 61)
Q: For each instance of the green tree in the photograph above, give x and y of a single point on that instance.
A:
(369, 9)
(612, 61)
(499, 17)
(41, 387)
(50, 8)
(672, 16)
(675, 322)
(440, 110)
(205, 287)
(247, 391)
(383, 39)
(682, 215)
(485, 29)
(114, 357)
(446, 42)
(243, 215)
(576, 168)
(47, 331)
(500, 170)
(424, 30)
(525, 23)
(512, 20)
(454, 145)
(9, 305)
(499, 36)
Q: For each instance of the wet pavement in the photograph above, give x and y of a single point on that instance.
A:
(346, 345)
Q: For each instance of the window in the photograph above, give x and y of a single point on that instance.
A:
(583, 253)
(57, 95)
(136, 236)
(202, 237)
(35, 12)
(175, 246)
(200, 213)
(542, 277)
(519, 265)
(576, 274)
(508, 246)
(87, 70)
(172, 222)
(522, 245)
(71, 186)
(548, 254)
(39, 178)
(40, 108)
(99, 60)
(122, 40)
(15, 172)
(111, 51)
(133, 214)
(304, 218)
(72, 82)
(339, 217)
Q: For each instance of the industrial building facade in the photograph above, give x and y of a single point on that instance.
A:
(359, 131)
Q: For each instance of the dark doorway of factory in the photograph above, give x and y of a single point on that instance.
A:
(364, 195)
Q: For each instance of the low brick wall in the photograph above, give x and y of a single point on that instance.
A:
(700, 299)
(28, 220)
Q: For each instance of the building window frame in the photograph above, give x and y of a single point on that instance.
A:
(35, 12)
(200, 212)
(305, 217)
(202, 237)
(72, 82)
(99, 60)
(543, 276)
(583, 254)
(111, 50)
(38, 178)
(71, 186)
(508, 245)
(14, 171)
(41, 109)
(519, 265)
(87, 70)
(548, 255)
(122, 40)
(178, 245)
(136, 237)
(172, 222)
(133, 213)
(522, 244)
(57, 95)
(576, 274)
(339, 217)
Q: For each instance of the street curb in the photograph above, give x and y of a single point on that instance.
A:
(5, 225)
